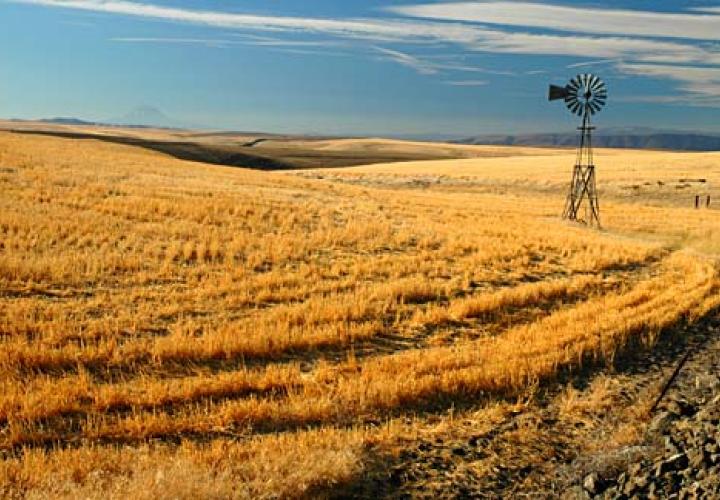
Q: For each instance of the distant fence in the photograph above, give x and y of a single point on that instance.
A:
(698, 201)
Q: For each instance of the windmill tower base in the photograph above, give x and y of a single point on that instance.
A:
(583, 194)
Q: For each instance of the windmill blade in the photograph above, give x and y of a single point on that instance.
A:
(594, 82)
(580, 83)
(586, 79)
(574, 85)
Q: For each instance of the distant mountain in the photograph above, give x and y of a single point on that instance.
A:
(67, 121)
(634, 138)
(145, 116)
(141, 117)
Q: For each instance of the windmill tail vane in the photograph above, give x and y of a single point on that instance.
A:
(584, 96)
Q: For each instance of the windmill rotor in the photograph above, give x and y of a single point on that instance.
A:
(584, 94)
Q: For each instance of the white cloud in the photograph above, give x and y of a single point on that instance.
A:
(574, 19)
(597, 34)
(422, 67)
(701, 85)
(352, 28)
(208, 42)
(709, 10)
(466, 83)
(680, 73)
(592, 47)
(591, 63)
(470, 37)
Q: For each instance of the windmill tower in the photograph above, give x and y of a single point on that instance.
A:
(584, 96)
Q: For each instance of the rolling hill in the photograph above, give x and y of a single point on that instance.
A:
(628, 138)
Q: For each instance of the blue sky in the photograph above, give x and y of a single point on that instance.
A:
(361, 67)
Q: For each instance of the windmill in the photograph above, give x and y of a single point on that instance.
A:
(584, 96)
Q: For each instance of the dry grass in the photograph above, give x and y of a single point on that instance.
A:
(246, 333)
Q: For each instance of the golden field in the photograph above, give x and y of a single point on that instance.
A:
(175, 329)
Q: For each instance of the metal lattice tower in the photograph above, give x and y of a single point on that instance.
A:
(584, 96)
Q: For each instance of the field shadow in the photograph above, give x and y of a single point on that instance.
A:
(281, 153)
(232, 156)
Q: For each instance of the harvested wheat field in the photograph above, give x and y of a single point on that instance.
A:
(172, 329)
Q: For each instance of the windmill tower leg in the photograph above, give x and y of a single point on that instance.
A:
(593, 208)
(570, 211)
(583, 189)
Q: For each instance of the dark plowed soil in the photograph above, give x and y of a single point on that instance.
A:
(602, 442)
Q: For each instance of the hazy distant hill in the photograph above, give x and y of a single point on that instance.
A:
(67, 121)
(145, 116)
(142, 117)
(634, 138)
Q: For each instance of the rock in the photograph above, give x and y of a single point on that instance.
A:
(696, 458)
(653, 490)
(674, 408)
(629, 488)
(593, 484)
(662, 423)
(682, 441)
(674, 463)
(641, 482)
(671, 446)
(622, 478)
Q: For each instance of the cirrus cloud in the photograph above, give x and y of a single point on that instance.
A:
(668, 46)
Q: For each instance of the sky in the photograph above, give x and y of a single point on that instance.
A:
(361, 67)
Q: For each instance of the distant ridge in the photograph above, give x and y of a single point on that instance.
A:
(67, 121)
(139, 117)
(146, 116)
(631, 138)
